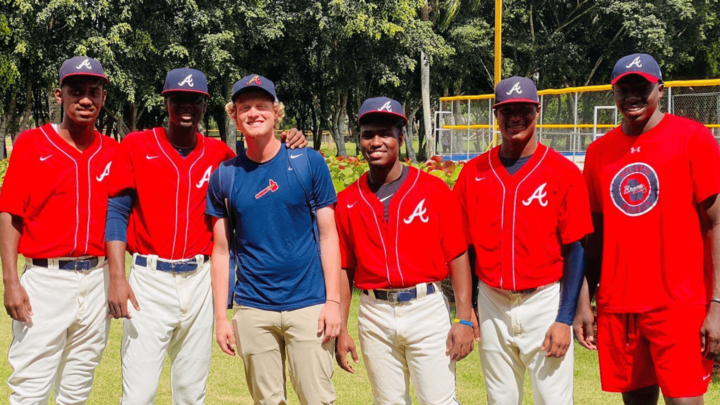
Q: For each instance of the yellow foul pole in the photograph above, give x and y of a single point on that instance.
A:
(498, 41)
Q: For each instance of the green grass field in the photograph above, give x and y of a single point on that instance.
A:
(226, 384)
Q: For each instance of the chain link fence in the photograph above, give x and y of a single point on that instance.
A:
(570, 119)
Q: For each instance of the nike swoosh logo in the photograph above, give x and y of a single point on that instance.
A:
(479, 178)
(383, 200)
(150, 157)
(294, 156)
(42, 159)
(352, 205)
(706, 377)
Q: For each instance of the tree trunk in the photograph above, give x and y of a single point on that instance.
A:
(425, 84)
(317, 140)
(410, 135)
(338, 125)
(54, 109)
(26, 115)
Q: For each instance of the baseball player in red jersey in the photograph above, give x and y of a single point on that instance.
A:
(653, 183)
(53, 205)
(400, 232)
(525, 208)
(157, 187)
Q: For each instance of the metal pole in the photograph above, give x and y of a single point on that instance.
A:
(575, 123)
(670, 106)
(542, 109)
(498, 41)
(467, 157)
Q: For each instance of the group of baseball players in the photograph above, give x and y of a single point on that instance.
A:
(196, 218)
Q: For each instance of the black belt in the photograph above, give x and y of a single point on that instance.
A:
(175, 266)
(398, 296)
(525, 291)
(79, 265)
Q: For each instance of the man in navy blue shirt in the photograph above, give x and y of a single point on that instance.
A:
(279, 204)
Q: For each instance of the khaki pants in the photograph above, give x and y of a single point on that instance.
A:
(266, 338)
(513, 328)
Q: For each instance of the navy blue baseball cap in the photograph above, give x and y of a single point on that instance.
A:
(186, 80)
(250, 82)
(380, 106)
(81, 66)
(516, 89)
(637, 64)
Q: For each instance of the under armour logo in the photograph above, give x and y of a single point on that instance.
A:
(84, 64)
(635, 62)
(515, 88)
(386, 107)
(255, 80)
(538, 195)
(205, 177)
(419, 212)
(105, 173)
(634, 150)
(187, 80)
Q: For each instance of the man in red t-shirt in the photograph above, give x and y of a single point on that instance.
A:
(653, 183)
(53, 205)
(526, 208)
(158, 186)
(400, 235)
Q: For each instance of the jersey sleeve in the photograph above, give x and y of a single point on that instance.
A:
(575, 220)
(592, 181)
(704, 155)
(323, 189)
(460, 192)
(122, 173)
(215, 203)
(453, 238)
(347, 248)
(15, 194)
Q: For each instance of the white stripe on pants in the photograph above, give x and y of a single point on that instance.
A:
(65, 339)
(407, 341)
(513, 328)
(175, 317)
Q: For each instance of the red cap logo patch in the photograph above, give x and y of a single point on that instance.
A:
(255, 80)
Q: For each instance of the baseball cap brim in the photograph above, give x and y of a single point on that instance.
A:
(647, 76)
(516, 100)
(184, 91)
(83, 74)
(380, 114)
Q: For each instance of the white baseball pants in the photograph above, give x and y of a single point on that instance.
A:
(175, 318)
(513, 328)
(400, 342)
(65, 339)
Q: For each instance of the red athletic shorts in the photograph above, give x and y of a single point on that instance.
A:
(659, 347)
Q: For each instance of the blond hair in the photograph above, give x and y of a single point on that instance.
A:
(278, 108)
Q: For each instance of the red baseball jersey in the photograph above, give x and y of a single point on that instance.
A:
(422, 234)
(168, 216)
(60, 192)
(518, 224)
(648, 188)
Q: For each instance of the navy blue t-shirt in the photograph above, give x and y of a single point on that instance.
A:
(279, 266)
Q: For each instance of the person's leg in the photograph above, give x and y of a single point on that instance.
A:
(190, 348)
(310, 362)
(551, 377)
(423, 327)
(86, 339)
(37, 347)
(262, 348)
(382, 354)
(147, 334)
(643, 396)
(502, 368)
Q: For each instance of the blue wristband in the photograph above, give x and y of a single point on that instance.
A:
(464, 322)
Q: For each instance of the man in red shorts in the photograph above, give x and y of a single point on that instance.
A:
(653, 184)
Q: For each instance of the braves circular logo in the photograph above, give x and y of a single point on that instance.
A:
(634, 189)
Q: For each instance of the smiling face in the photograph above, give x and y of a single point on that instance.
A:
(185, 109)
(380, 142)
(255, 114)
(637, 98)
(82, 98)
(516, 121)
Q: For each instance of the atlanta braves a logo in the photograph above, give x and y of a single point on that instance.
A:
(635, 189)
(255, 80)
(386, 107)
(635, 62)
(84, 64)
(188, 80)
(538, 195)
(515, 88)
(273, 187)
(419, 212)
(205, 177)
(105, 173)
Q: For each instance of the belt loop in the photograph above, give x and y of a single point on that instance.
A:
(152, 262)
(200, 260)
(371, 294)
(421, 290)
(53, 264)
(101, 261)
(28, 262)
